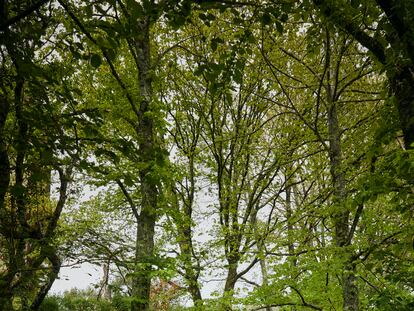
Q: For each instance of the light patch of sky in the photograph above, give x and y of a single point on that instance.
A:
(80, 276)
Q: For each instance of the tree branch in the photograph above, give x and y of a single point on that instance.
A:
(105, 54)
(129, 199)
(339, 18)
(355, 223)
(64, 180)
(35, 6)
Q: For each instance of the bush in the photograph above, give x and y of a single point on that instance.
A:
(73, 302)
(50, 303)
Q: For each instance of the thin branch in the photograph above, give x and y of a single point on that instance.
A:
(250, 282)
(355, 223)
(64, 180)
(304, 303)
(129, 199)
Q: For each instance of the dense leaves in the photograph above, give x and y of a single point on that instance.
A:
(225, 154)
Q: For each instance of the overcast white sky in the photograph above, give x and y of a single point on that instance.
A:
(80, 277)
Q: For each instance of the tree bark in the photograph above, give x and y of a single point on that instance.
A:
(41, 295)
(185, 231)
(149, 193)
(186, 249)
(289, 213)
(231, 276)
(105, 291)
(341, 214)
(231, 280)
(4, 163)
(402, 86)
(265, 278)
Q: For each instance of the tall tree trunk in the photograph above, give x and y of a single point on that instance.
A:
(231, 276)
(5, 293)
(51, 277)
(191, 276)
(149, 193)
(193, 287)
(289, 213)
(4, 162)
(231, 280)
(265, 277)
(341, 215)
(185, 242)
(105, 291)
(186, 233)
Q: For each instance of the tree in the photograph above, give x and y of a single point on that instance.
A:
(385, 28)
(133, 21)
(37, 152)
(316, 95)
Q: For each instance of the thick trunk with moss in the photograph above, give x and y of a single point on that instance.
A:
(144, 252)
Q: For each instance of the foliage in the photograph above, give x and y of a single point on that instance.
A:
(264, 147)
(77, 301)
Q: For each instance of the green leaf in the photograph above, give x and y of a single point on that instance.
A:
(266, 19)
(215, 42)
(96, 60)
(279, 27)
(284, 17)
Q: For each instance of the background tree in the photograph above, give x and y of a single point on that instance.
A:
(385, 29)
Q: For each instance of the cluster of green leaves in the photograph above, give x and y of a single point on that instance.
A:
(76, 300)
